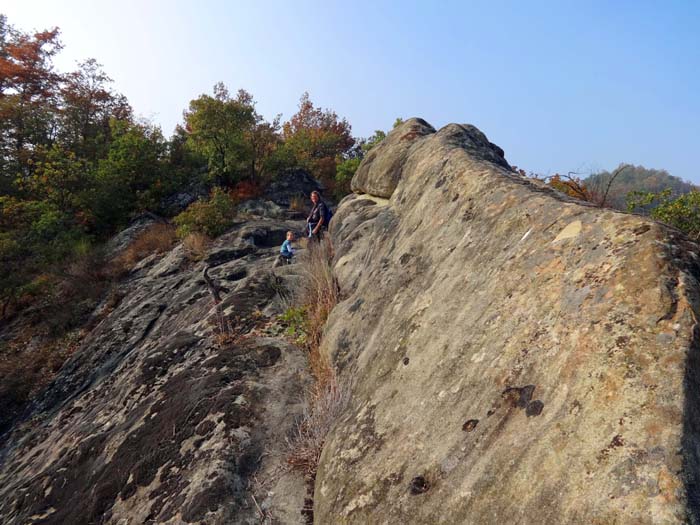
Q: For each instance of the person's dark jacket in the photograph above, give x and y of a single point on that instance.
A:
(318, 212)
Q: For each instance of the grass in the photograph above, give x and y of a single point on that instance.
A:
(196, 245)
(158, 238)
(317, 297)
(324, 405)
(326, 399)
(298, 203)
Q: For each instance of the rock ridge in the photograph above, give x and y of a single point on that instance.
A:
(515, 356)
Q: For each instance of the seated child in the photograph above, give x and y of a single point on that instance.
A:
(287, 250)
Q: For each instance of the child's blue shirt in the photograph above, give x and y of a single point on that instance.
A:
(286, 248)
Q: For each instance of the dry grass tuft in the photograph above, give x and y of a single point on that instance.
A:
(158, 238)
(298, 203)
(319, 295)
(325, 404)
(196, 245)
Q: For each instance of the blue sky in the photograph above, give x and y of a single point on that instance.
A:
(560, 86)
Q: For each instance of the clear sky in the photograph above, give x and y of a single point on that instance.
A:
(559, 85)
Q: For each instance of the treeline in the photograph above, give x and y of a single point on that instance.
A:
(637, 189)
(76, 165)
(635, 179)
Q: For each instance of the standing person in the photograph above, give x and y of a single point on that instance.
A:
(317, 220)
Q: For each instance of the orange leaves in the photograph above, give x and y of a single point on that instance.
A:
(245, 190)
(571, 186)
(317, 137)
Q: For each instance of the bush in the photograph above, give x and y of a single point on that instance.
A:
(296, 320)
(681, 212)
(158, 238)
(245, 190)
(25, 368)
(211, 217)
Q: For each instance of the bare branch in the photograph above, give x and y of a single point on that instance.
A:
(614, 175)
(213, 287)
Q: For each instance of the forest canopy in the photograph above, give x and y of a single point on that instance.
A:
(76, 165)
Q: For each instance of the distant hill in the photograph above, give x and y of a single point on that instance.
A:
(636, 178)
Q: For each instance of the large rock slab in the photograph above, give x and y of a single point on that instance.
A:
(158, 417)
(514, 356)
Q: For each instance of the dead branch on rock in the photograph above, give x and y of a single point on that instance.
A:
(215, 291)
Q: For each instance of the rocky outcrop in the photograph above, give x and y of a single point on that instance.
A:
(514, 356)
(292, 184)
(158, 417)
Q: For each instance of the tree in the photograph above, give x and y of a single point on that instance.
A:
(87, 106)
(29, 89)
(627, 178)
(129, 178)
(347, 167)
(59, 178)
(220, 129)
(317, 138)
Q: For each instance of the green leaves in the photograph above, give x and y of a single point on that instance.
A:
(211, 217)
(297, 322)
(681, 212)
(230, 134)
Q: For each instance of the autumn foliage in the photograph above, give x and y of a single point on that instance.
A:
(317, 138)
(76, 166)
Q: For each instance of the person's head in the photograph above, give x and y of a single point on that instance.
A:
(315, 196)
(290, 236)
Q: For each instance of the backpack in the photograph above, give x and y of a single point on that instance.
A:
(329, 215)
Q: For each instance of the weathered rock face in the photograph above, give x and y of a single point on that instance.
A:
(155, 419)
(292, 183)
(381, 169)
(515, 356)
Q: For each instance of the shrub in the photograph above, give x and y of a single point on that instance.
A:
(25, 368)
(682, 212)
(211, 217)
(245, 190)
(295, 317)
(158, 238)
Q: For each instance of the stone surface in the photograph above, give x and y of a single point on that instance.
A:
(515, 356)
(158, 419)
(382, 167)
(292, 184)
(124, 238)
